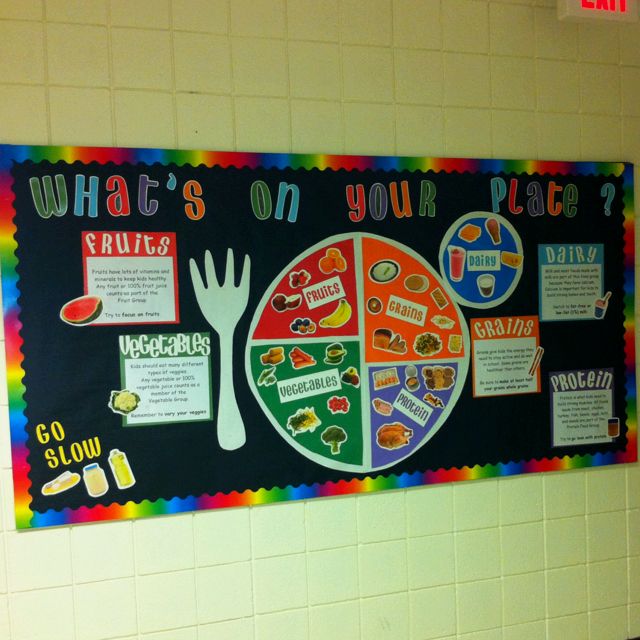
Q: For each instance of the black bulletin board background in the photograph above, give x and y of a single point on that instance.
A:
(67, 370)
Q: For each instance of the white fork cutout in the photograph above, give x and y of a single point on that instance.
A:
(222, 305)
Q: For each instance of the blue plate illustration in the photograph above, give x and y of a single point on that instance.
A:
(481, 259)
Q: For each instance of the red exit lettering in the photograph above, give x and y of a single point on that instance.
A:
(618, 6)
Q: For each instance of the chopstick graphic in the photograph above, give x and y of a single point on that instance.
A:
(536, 360)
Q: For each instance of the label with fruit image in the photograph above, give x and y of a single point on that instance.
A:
(357, 353)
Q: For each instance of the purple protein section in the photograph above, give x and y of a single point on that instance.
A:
(383, 457)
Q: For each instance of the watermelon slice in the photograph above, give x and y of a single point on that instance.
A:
(82, 310)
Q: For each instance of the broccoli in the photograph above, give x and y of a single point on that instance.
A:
(334, 437)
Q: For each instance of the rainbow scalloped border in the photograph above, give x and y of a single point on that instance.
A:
(26, 518)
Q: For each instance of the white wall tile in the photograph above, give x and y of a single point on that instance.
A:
(479, 605)
(338, 621)
(241, 629)
(417, 24)
(568, 627)
(431, 561)
(566, 591)
(514, 136)
(29, 122)
(331, 523)
(467, 80)
(102, 551)
(526, 631)
(222, 536)
(606, 536)
(419, 76)
(634, 579)
(600, 89)
(511, 29)
(429, 510)
(258, 18)
(26, 10)
(566, 542)
(54, 619)
(166, 601)
(467, 133)
(522, 548)
(314, 70)
(521, 499)
(164, 544)
(564, 494)
(524, 598)
(224, 592)
(633, 484)
(367, 73)
(333, 575)
(278, 530)
(259, 67)
(77, 55)
(471, 565)
(383, 567)
(558, 136)
(262, 123)
(3, 565)
(141, 58)
(558, 86)
(38, 559)
(433, 612)
(204, 121)
(105, 609)
(465, 26)
(555, 39)
(608, 624)
(77, 11)
(5, 627)
(210, 16)
(601, 138)
(475, 505)
(202, 62)
(368, 128)
(188, 633)
(382, 516)
(513, 83)
(419, 132)
(630, 85)
(605, 490)
(311, 20)
(285, 624)
(633, 526)
(598, 42)
(80, 116)
(372, 26)
(142, 13)
(23, 60)
(385, 617)
(280, 583)
(607, 584)
(317, 126)
(144, 119)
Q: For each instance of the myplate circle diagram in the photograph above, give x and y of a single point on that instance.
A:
(481, 259)
(357, 353)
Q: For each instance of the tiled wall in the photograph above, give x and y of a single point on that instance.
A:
(548, 556)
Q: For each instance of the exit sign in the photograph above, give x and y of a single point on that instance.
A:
(620, 10)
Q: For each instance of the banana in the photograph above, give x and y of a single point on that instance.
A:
(338, 317)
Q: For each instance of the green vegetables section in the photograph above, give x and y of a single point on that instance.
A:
(313, 395)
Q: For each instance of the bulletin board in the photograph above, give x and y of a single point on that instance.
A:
(190, 330)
